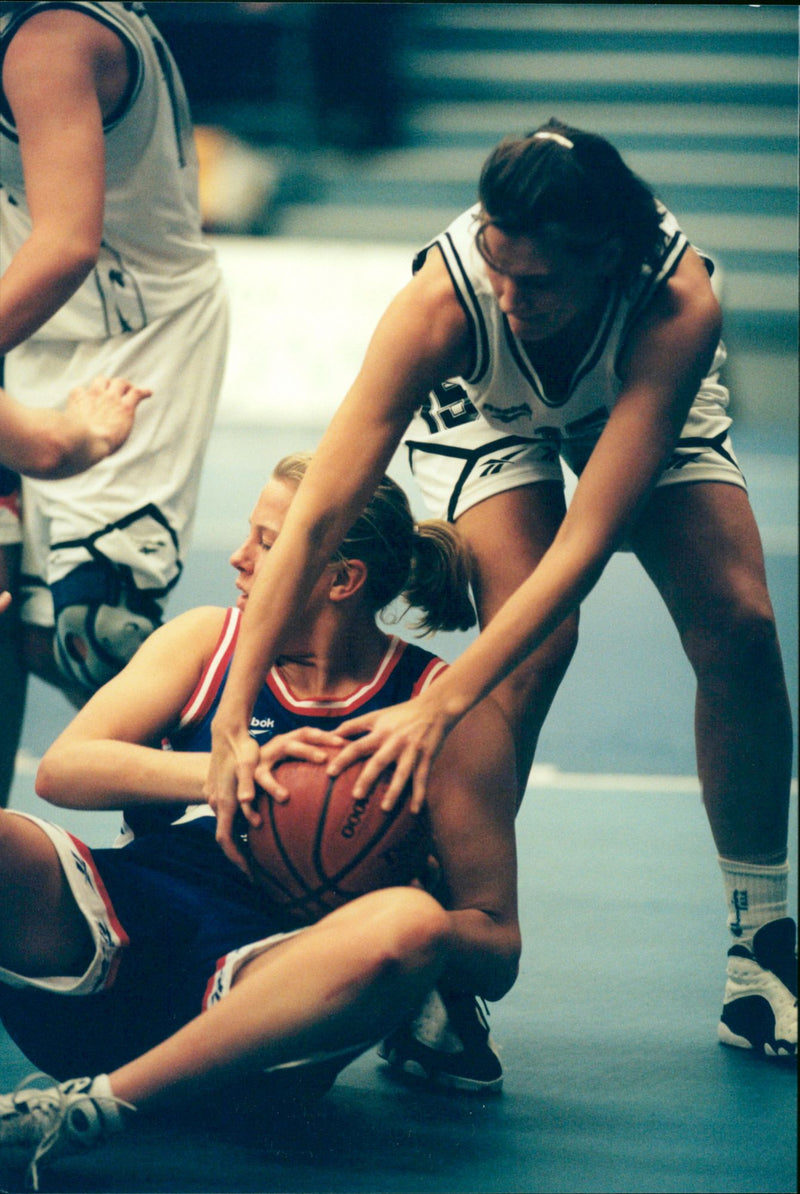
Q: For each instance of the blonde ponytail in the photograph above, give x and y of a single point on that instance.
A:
(438, 583)
(426, 565)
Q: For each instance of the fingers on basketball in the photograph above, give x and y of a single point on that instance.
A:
(326, 846)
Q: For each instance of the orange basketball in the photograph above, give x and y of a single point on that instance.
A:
(324, 847)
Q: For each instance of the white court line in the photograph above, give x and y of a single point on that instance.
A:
(543, 775)
(546, 775)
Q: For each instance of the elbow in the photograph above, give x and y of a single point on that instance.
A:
(78, 258)
(49, 782)
(502, 974)
(50, 457)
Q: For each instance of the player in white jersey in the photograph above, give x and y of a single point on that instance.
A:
(156, 967)
(104, 271)
(568, 314)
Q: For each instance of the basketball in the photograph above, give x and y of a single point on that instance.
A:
(323, 847)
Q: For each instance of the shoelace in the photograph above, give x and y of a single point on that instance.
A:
(51, 1101)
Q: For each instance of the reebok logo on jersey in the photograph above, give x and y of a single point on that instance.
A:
(261, 725)
(494, 464)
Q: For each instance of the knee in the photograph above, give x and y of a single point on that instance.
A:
(6, 839)
(99, 624)
(410, 931)
(20, 859)
(740, 635)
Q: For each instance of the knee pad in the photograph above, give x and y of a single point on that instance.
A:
(98, 626)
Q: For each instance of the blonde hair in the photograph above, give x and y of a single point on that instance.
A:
(424, 563)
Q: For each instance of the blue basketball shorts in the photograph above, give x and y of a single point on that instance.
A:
(172, 921)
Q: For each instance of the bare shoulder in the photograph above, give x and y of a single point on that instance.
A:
(63, 29)
(683, 322)
(431, 311)
(194, 633)
(61, 46)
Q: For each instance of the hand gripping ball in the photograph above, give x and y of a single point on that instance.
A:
(324, 847)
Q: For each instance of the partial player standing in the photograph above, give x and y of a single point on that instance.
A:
(566, 314)
(94, 422)
(158, 967)
(104, 271)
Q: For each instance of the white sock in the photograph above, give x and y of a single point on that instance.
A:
(755, 895)
(101, 1090)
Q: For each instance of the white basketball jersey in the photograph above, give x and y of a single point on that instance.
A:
(153, 259)
(503, 383)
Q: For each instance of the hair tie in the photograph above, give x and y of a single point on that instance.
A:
(557, 137)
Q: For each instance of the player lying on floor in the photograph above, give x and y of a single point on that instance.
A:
(159, 966)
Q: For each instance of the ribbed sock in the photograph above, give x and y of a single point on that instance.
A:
(755, 895)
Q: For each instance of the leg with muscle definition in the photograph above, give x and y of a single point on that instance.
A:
(701, 547)
(507, 535)
(328, 992)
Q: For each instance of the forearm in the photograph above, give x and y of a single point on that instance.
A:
(47, 443)
(559, 584)
(310, 535)
(110, 775)
(43, 275)
(485, 953)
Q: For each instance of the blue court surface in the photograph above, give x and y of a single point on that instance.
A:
(614, 1079)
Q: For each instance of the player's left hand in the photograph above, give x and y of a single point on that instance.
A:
(407, 737)
(5, 600)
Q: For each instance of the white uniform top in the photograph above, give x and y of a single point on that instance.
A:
(153, 260)
(497, 428)
(503, 383)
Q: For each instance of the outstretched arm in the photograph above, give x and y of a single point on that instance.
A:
(95, 422)
(420, 341)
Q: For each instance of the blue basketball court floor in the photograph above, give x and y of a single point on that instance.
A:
(614, 1079)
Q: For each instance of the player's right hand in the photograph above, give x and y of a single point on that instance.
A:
(307, 743)
(230, 786)
(106, 408)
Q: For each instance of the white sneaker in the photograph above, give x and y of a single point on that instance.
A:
(760, 1003)
(448, 1044)
(41, 1123)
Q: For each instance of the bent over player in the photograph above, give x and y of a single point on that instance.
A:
(565, 315)
(156, 966)
(104, 272)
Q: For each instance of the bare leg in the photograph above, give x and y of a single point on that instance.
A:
(507, 536)
(13, 676)
(344, 982)
(24, 650)
(701, 546)
(42, 930)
